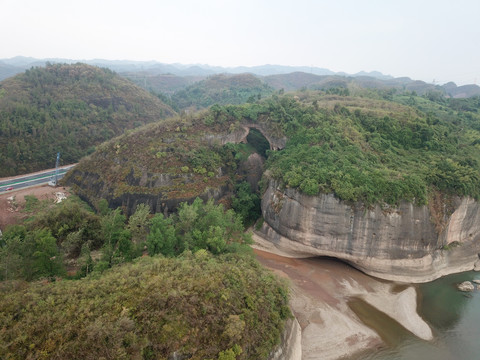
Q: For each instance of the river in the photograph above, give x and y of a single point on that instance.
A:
(454, 318)
(329, 300)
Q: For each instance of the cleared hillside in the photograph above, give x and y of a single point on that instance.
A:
(70, 109)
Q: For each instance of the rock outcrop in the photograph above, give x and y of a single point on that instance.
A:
(240, 136)
(159, 201)
(252, 170)
(400, 244)
(477, 265)
(466, 286)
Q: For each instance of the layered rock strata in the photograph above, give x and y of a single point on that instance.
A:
(399, 244)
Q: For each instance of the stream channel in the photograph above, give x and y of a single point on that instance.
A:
(328, 301)
(454, 318)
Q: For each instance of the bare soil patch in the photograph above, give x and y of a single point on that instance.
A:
(12, 211)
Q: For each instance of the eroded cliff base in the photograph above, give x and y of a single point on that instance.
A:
(402, 244)
(333, 303)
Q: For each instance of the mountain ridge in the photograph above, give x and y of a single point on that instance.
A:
(152, 68)
(22, 63)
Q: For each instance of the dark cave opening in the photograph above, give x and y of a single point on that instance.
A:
(258, 141)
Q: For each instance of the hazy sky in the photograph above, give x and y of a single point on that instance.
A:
(423, 39)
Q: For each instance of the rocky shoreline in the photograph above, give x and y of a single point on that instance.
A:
(321, 291)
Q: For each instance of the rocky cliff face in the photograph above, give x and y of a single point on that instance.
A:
(91, 187)
(240, 136)
(401, 243)
(252, 170)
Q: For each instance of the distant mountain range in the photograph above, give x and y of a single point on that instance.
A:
(12, 66)
(169, 78)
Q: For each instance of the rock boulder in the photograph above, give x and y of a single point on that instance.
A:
(466, 286)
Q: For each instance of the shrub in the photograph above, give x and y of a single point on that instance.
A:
(191, 305)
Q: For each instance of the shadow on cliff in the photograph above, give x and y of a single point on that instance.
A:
(259, 142)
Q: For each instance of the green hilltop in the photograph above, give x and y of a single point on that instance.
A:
(221, 89)
(372, 146)
(67, 108)
(232, 308)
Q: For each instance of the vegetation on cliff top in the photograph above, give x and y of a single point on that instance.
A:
(67, 108)
(370, 146)
(380, 150)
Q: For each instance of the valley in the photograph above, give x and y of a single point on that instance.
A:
(173, 188)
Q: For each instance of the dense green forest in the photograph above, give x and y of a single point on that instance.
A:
(53, 235)
(99, 283)
(68, 109)
(382, 148)
(373, 146)
(222, 90)
(231, 308)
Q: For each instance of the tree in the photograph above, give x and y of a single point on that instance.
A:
(138, 223)
(246, 203)
(116, 237)
(29, 254)
(209, 226)
(47, 259)
(85, 260)
(162, 238)
(10, 252)
(72, 225)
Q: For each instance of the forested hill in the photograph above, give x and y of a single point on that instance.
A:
(222, 89)
(302, 80)
(67, 108)
(370, 147)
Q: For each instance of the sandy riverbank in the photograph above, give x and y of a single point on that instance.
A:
(322, 290)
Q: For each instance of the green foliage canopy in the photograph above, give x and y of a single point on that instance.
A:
(67, 108)
(196, 305)
(197, 226)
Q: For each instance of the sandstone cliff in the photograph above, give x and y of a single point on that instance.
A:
(355, 148)
(401, 244)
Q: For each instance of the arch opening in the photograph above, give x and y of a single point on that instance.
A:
(258, 141)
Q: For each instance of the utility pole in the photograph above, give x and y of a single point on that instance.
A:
(54, 180)
(56, 168)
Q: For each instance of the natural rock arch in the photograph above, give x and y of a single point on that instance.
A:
(259, 142)
(276, 143)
